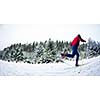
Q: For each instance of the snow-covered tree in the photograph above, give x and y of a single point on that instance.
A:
(93, 48)
(46, 52)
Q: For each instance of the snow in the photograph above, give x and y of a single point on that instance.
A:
(88, 67)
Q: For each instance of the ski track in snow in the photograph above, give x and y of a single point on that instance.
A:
(88, 67)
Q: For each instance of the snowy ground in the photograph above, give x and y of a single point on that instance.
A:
(87, 67)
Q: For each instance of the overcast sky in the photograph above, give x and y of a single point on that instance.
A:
(10, 34)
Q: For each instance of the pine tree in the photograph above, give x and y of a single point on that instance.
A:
(93, 48)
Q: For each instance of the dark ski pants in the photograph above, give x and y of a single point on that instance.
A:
(74, 52)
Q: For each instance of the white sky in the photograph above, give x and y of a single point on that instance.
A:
(10, 34)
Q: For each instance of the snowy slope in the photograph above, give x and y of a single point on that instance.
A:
(88, 67)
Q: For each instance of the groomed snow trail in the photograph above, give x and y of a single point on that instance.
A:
(89, 67)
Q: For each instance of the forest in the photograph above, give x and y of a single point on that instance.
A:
(48, 51)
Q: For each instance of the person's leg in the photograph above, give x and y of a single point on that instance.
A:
(71, 55)
(77, 58)
(73, 52)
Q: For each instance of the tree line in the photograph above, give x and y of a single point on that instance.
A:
(46, 52)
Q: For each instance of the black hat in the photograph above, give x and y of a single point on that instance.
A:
(79, 35)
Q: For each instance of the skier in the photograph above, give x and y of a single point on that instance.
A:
(74, 46)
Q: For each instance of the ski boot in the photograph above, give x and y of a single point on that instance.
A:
(63, 55)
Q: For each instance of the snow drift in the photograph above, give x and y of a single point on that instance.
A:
(88, 67)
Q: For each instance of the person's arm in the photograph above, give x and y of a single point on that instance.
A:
(82, 40)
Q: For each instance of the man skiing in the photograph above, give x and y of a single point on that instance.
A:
(74, 46)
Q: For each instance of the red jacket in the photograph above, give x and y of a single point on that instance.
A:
(76, 41)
